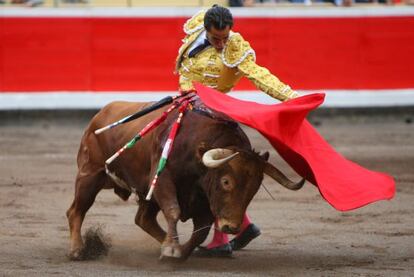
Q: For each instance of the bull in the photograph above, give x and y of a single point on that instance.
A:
(212, 173)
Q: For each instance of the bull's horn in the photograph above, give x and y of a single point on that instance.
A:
(279, 177)
(215, 157)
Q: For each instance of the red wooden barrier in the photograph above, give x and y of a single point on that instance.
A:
(138, 54)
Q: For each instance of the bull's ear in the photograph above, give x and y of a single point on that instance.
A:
(264, 155)
(200, 150)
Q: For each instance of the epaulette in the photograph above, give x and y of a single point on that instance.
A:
(195, 23)
(236, 50)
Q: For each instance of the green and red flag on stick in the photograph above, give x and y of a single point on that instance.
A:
(167, 148)
(165, 101)
(150, 126)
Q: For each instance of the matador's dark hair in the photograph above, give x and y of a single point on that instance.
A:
(219, 17)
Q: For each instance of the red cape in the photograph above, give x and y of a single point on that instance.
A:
(344, 184)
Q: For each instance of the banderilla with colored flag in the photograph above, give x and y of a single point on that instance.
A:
(165, 101)
(144, 131)
(167, 148)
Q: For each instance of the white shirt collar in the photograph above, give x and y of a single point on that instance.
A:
(199, 40)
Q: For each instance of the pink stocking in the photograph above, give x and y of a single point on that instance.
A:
(246, 222)
(219, 238)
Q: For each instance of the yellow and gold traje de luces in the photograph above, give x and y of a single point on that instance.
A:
(222, 70)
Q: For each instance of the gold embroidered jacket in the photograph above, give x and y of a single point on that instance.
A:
(222, 70)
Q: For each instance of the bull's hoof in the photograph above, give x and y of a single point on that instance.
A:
(170, 251)
(76, 255)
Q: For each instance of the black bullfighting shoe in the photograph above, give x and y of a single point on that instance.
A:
(251, 232)
(222, 251)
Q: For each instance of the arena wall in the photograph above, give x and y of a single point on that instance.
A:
(124, 50)
(110, 50)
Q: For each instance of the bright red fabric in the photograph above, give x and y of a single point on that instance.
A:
(344, 184)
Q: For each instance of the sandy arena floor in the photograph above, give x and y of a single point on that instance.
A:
(301, 234)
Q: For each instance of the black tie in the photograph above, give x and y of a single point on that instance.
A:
(199, 48)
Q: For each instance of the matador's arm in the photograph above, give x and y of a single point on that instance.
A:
(265, 81)
(238, 53)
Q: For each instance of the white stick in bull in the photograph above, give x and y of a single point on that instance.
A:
(167, 148)
(142, 133)
(150, 126)
(165, 101)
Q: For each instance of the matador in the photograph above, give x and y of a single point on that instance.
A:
(215, 56)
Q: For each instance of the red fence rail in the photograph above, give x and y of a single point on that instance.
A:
(138, 53)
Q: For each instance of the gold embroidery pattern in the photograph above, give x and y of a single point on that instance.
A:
(185, 83)
(189, 39)
(236, 51)
(265, 81)
(205, 68)
(222, 70)
(195, 23)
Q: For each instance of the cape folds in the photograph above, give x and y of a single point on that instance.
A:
(344, 184)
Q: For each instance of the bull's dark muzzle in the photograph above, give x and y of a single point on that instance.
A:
(230, 230)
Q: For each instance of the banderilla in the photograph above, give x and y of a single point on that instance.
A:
(165, 101)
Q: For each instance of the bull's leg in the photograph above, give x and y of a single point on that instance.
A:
(166, 196)
(202, 225)
(86, 189)
(146, 218)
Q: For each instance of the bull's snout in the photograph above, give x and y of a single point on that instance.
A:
(230, 230)
(228, 227)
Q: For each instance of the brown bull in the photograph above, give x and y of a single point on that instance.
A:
(212, 173)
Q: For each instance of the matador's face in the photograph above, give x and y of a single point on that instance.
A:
(218, 38)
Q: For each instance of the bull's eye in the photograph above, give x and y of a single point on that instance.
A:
(226, 183)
